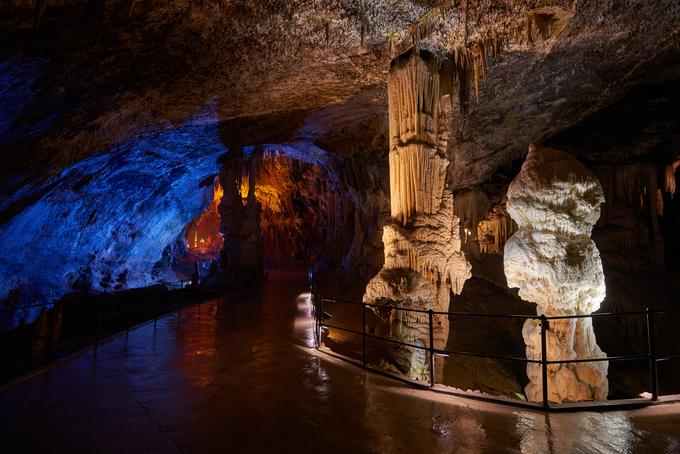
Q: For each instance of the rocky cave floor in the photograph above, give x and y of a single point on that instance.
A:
(238, 373)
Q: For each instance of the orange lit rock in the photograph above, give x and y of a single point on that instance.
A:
(423, 260)
(203, 235)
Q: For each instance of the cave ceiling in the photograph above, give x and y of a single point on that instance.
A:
(94, 74)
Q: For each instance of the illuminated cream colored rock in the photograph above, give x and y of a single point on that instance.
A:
(423, 260)
(556, 201)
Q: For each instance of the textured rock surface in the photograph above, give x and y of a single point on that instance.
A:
(423, 262)
(556, 201)
(108, 222)
(243, 252)
(96, 76)
(128, 68)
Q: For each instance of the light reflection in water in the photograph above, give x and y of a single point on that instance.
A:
(303, 325)
(317, 379)
(551, 433)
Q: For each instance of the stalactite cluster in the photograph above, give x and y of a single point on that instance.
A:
(471, 205)
(640, 186)
(488, 224)
(300, 208)
(495, 230)
(417, 170)
(471, 57)
(669, 177)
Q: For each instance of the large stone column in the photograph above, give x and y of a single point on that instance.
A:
(243, 251)
(555, 201)
(423, 260)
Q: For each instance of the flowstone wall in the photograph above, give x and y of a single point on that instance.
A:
(423, 261)
(555, 201)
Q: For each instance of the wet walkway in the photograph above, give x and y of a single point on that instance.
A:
(237, 376)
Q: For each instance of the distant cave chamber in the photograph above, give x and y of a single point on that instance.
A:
(299, 210)
(271, 212)
(201, 240)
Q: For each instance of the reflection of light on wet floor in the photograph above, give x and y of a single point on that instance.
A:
(317, 378)
(304, 326)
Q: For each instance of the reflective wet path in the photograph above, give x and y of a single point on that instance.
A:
(237, 376)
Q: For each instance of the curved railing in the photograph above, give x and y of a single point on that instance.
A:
(653, 359)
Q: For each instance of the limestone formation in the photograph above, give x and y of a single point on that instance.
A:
(556, 201)
(493, 232)
(241, 257)
(423, 260)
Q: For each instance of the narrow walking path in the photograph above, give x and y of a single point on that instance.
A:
(238, 375)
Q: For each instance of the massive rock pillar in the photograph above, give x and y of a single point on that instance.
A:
(423, 260)
(242, 255)
(556, 201)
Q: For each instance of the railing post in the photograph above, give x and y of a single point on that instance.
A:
(363, 333)
(99, 325)
(431, 317)
(317, 315)
(315, 309)
(544, 360)
(320, 319)
(651, 352)
(179, 312)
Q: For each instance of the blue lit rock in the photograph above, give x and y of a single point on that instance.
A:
(105, 222)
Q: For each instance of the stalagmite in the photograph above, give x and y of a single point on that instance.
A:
(423, 260)
(556, 201)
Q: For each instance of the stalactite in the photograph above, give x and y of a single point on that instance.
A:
(475, 64)
(669, 177)
(530, 38)
(363, 19)
(39, 7)
(495, 230)
(133, 3)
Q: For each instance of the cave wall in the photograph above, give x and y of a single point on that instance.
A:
(96, 75)
(105, 223)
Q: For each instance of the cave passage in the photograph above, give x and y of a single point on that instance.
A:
(203, 235)
(274, 212)
(237, 373)
(201, 240)
(299, 210)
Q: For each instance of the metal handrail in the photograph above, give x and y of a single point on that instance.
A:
(52, 303)
(651, 356)
(81, 324)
